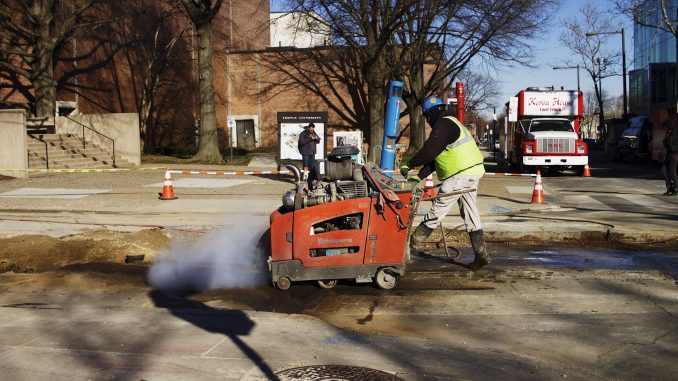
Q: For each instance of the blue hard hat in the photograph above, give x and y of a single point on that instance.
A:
(430, 102)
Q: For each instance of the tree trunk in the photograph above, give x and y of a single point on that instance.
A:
(44, 84)
(209, 137)
(417, 122)
(376, 95)
(417, 127)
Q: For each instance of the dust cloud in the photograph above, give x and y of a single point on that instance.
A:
(224, 258)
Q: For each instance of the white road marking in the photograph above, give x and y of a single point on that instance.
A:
(202, 183)
(52, 193)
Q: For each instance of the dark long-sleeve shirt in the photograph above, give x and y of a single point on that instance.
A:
(443, 133)
(306, 143)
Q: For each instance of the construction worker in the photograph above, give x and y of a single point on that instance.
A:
(451, 152)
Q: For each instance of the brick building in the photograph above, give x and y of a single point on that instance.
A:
(252, 79)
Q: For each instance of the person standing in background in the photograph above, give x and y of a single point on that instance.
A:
(308, 140)
(671, 160)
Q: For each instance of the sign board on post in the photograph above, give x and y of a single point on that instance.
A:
(230, 123)
(291, 124)
(513, 109)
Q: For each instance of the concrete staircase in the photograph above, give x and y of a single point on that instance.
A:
(67, 151)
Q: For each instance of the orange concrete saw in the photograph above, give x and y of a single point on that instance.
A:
(348, 222)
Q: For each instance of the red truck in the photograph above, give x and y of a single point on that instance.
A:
(543, 130)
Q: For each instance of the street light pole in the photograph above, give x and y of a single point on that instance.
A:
(601, 115)
(494, 133)
(626, 109)
(570, 67)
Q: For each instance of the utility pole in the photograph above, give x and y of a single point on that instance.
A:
(570, 67)
(601, 113)
(494, 133)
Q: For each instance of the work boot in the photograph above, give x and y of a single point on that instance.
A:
(420, 234)
(482, 258)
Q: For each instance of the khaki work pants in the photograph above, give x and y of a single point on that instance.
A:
(468, 207)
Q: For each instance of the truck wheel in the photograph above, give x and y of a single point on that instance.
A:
(327, 284)
(386, 278)
(283, 283)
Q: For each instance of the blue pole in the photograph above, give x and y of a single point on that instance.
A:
(388, 149)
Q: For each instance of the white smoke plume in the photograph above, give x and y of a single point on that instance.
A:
(224, 258)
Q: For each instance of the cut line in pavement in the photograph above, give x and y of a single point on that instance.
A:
(521, 190)
(202, 183)
(51, 193)
(583, 201)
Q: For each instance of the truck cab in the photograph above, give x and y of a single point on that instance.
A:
(545, 132)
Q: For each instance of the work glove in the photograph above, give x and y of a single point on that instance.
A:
(404, 170)
(414, 179)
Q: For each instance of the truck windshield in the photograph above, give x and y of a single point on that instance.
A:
(551, 125)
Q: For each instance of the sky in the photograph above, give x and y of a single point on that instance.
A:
(549, 53)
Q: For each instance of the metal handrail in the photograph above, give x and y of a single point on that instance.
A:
(95, 131)
(46, 151)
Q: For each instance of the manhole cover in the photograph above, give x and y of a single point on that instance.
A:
(334, 373)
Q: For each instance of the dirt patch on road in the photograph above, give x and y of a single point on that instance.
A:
(39, 253)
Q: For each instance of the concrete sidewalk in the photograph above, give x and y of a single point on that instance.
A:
(59, 204)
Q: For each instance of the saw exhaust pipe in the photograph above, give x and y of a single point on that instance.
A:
(295, 172)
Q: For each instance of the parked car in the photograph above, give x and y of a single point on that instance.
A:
(634, 144)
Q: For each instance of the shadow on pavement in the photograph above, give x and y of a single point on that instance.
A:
(231, 323)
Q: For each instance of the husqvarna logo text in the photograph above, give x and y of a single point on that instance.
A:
(334, 241)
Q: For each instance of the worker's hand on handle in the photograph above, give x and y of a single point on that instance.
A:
(404, 169)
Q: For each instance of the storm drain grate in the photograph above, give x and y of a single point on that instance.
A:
(334, 373)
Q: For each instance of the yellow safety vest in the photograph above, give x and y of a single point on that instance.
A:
(461, 156)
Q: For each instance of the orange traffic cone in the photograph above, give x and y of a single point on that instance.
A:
(167, 188)
(538, 193)
(429, 190)
(587, 171)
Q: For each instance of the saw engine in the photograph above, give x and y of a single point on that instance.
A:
(344, 221)
(335, 179)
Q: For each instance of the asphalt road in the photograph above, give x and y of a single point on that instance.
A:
(536, 313)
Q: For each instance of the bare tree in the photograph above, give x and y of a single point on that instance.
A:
(201, 13)
(397, 40)
(481, 90)
(152, 34)
(452, 34)
(367, 28)
(589, 120)
(590, 51)
(31, 34)
(330, 73)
